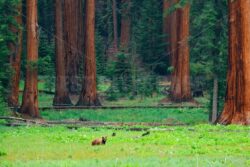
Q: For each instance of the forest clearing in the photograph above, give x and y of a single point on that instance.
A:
(140, 83)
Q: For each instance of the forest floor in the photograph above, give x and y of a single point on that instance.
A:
(200, 145)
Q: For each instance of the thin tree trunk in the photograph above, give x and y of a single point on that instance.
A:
(61, 93)
(73, 42)
(215, 100)
(237, 103)
(115, 26)
(30, 95)
(15, 58)
(180, 85)
(125, 25)
(88, 95)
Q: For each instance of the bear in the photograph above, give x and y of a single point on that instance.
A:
(100, 141)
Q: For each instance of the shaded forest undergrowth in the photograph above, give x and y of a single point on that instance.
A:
(202, 145)
(159, 98)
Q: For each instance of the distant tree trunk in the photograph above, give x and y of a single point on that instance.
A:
(61, 93)
(125, 25)
(237, 103)
(115, 26)
(88, 95)
(180, 85)
(215, 101)
(30, 95)
(73, 42)
(15, 58)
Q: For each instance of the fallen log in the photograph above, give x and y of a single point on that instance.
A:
(28, 121)
(111, 107)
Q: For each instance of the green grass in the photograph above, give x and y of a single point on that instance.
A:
(202, 146)
(149, 101)
(187, 116)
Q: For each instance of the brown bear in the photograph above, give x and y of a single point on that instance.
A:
(100, 141)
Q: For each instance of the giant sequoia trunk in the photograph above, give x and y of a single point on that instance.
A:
(178, 31)
(125, 25)
(170, 27)
(73, 42)
(237, 102)
(88, 95)
(15, 58)
(30, 95)
(61, 94)
(115, 26)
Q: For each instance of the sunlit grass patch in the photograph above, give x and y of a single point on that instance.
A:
(204, 145)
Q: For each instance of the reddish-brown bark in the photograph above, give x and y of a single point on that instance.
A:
(73, 36)
(88, 95)
(237, 103)
(115, 31)
(125, 25)
(61, 92)
(30, 95)
(170, 27)
(15, 58)
(176, 26)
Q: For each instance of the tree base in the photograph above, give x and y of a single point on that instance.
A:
(62, 101)
(12, 103)
(88, 102)
(181, 99)
(30, 110)
(237, 118)
(168, 101)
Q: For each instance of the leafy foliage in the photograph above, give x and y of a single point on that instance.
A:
(209, 45)
(7, 13)
(148, 35)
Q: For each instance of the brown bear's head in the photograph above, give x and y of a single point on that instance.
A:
(104, 139)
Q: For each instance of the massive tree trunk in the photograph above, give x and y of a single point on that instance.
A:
(61, 94)
(88, 95)
(178, 31)
(73, 42)
(15, 58)
(30, 95)
(125, 25)
(170, 27)
(115, 26)
(237, 102)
